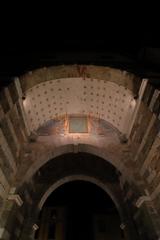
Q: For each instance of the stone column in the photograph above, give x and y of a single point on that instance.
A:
(30, 218)
(147, 222)
(60, 224)
(4, 218)
(44, 224)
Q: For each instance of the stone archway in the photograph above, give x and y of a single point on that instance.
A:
(92, 169)
(90, 179)
(107, 188)
(110, 157)
(105, 142)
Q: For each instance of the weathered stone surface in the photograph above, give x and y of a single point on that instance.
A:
(4, 102)
(13, 92)
(108, 74)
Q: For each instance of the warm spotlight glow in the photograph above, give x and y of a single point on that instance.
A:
(25, 102)
(133, 103)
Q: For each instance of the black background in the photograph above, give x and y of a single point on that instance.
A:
(51, 33)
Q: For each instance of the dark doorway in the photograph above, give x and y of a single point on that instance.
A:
(88, 212)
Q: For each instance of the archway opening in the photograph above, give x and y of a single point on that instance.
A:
(79, 210)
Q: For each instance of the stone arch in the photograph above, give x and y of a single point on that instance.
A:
(111, 157)
(39, 75)
(90, 179)
(109, 189)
